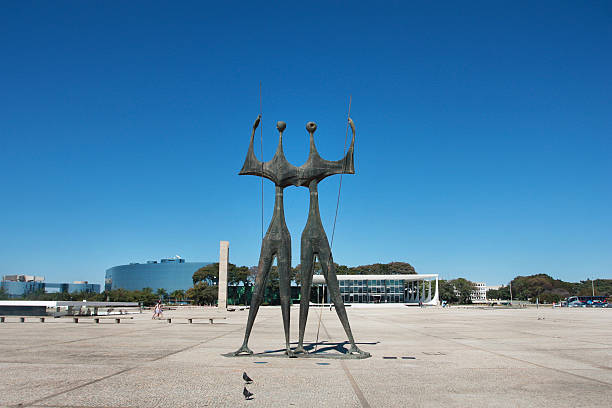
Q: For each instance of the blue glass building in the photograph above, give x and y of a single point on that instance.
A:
(169, 274)
(18, 289)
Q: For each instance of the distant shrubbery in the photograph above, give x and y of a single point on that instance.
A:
(204, 291)
(146, 296)
(548, 290)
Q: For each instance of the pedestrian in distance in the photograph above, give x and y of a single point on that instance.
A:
(157, 313)
(160, 310)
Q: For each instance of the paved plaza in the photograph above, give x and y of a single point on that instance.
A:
(429, 357)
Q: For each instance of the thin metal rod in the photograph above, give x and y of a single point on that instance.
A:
(321, 305)
(331, 245)
(262, 162)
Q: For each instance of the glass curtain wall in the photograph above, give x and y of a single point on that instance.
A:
(372, 291)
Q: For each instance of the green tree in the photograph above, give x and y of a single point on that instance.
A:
(238, 274)
(208, 273)
(178, 294)
(203, 294)
(464, 288)
(161, 293)
(145, 296)
(392, 268)
(3, 294)
(503, 293)
(447, 291)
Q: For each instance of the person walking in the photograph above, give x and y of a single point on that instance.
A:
(157, 313)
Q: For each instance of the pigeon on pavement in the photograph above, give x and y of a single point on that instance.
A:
(247, 394)
(246, 378)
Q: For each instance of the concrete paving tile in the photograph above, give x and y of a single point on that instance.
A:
(31, 381)
(462, 357)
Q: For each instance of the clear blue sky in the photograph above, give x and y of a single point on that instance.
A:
(484, 132)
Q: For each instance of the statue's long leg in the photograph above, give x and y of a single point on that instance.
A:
(265, 262)
(329, 271)
(306, 271)
(284, 269)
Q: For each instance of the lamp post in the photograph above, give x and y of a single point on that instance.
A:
(510, 293)
(593, 286)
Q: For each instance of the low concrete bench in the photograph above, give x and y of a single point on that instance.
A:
(190, 320)
(117, 319)
(97, 319)
(209, 318)
(22, 319)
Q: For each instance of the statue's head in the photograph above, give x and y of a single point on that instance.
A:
(280, 125)
(311, 127)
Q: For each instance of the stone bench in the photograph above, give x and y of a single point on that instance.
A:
(190, 320)
(96, 319)
(22, 319)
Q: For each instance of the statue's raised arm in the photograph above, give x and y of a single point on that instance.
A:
(252, 165)
(317, 168)
(277, 169)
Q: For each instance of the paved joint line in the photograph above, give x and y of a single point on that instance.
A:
(559, 337)
(362, 399)
(80, 406)
(510, 357)
(89, 338)
(125, 370)
(515, 358)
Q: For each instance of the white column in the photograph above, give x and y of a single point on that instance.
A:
(436, 299)
(423, 290)
(223, 261)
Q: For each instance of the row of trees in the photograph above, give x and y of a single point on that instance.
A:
(146, 296)
(205, 282)
(205, 286)
(205, 279)
(548, 290)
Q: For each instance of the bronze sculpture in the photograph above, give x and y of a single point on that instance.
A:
(314, 239)
(277, 241)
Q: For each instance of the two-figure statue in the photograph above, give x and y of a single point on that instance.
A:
(277, 241)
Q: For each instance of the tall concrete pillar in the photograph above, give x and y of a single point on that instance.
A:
(223, 261)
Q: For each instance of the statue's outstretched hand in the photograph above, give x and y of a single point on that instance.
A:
(256, 122)
(352, 124)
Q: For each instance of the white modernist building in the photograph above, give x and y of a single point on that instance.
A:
(479, 294)
(408, 289)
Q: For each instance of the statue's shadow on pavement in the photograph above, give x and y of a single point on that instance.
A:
(322, 349)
